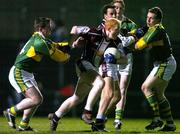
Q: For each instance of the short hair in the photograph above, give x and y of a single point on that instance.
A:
(106, 7)
(157, 11)
(112, 22)
(119, 1)
(42, 22)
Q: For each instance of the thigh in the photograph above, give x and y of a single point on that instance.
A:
(155, 83)
(109, 85)
(160, 89)
(32, 92)
(89, 77)
(150, 82)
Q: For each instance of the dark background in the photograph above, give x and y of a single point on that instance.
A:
(16, 22)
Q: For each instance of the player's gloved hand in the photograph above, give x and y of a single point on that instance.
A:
(109, 58)
(141, 31)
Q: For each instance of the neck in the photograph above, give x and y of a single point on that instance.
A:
(121, 17)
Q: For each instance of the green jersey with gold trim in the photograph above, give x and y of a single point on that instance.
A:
(33, 51)
(157, 40)
(127, 25)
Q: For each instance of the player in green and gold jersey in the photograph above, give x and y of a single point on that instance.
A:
(156, 40)
(21, 74)
(124, 70)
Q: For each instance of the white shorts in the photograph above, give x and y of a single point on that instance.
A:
(83, 66)
(164, 70)
(21, 80)
(126, 69)
(108, 70)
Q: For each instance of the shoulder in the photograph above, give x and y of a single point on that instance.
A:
(95, 32)
(128, 24)
(128, 20)
(158, 28)
(41, 41)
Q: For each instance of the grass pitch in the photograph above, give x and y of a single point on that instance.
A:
(76, 126)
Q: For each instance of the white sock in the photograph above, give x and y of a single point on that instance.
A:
(102, 117)
(59, 114)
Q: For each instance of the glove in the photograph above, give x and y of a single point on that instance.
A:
(139, 33)
(109, 58)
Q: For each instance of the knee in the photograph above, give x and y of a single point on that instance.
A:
(76, 99)
(146, 89)
(101, 83)
(37, 100)
(143, 88)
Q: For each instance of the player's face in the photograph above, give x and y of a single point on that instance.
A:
(46, 31)
(113, 32)
(151, 19)
(119, 9)
(111, 13)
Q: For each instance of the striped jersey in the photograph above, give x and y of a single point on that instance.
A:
(158, 40)
(95, 43)
(33, 51)
(127, 25)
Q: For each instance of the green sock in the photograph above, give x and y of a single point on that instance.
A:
(119, 114)
(13, 110)
(165, 110)
(24, 122)
(153, 104)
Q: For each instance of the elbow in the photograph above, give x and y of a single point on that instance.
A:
(60, 56)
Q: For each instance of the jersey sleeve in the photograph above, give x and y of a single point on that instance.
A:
(132, 26)
(127, 26)
(152, 36)
(57, 54)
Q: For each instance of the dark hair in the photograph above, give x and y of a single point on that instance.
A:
(158, 12)
(42, 22)
(106, 7)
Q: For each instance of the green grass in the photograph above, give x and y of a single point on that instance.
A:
(76, 126)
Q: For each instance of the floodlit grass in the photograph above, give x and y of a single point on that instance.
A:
(76, 126)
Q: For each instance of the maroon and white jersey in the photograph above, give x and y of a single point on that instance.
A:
(95, 43)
